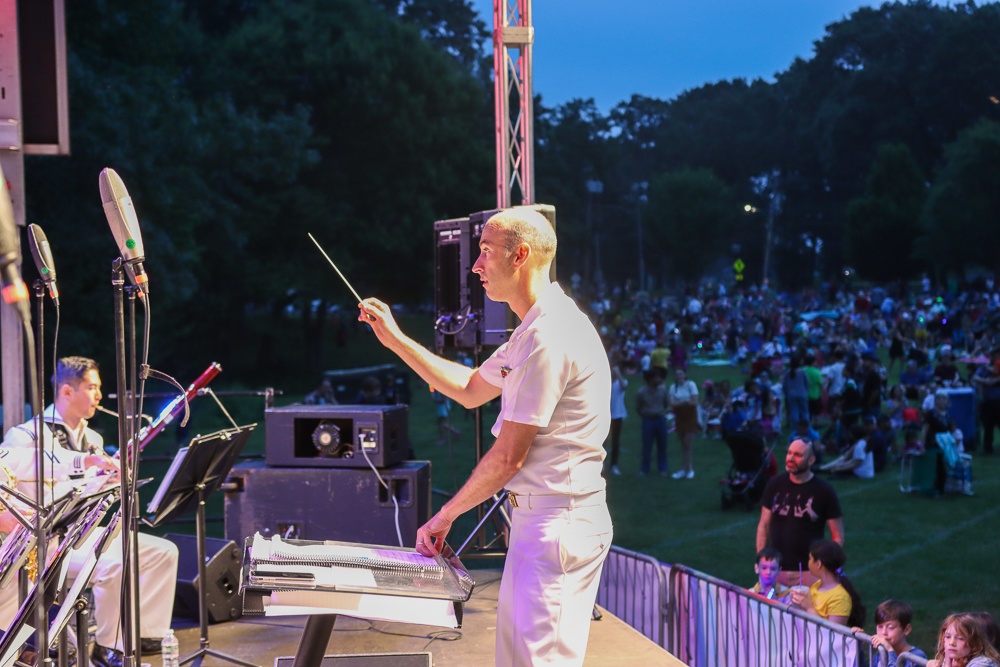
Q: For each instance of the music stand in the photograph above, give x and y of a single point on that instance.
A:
(51, 578)
(196, 471)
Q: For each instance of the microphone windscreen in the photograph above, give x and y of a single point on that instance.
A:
(121, 216)
(41, 252)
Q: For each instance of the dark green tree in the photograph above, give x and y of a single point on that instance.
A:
(451, 26)
(964, 204)
(235, 141)
(915, 73)
(689, 220)
(882, 225)
(402, 136)
(572, 150)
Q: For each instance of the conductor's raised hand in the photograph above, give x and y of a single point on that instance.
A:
(431, 535)
(378, 314)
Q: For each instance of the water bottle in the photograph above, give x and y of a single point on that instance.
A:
(171, 650)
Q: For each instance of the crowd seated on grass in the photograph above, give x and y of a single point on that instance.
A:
(816, 355)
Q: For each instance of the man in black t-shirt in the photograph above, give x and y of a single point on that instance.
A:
(796, 509)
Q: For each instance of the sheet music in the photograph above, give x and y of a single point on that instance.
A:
(154, 504)
(86, 486)
(421, 611)
(14, 552)
(23, 633)
(277, 550)
(377, 582)
(277, 575)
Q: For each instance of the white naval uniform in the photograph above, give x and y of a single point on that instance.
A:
(157, 557)
(554, 374)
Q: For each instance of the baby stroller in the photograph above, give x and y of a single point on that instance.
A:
(753, 465)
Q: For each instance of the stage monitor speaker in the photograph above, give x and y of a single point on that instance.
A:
(345, 504)
(366, 660)
(336, 436)
(222, 578)
(465, 317)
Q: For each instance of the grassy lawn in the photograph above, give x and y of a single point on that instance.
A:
(936, 554)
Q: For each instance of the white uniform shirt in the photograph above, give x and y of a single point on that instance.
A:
(554, 374)
(64, 459)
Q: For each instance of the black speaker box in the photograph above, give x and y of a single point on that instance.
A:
(366, 660)
(222, 578)
(343, 504)
(465, 317)
(336, 436)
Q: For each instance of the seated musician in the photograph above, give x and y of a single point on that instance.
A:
(75, 450)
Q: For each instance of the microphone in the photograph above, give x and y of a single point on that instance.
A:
(15, 292)
(124, 223)
(41, 251)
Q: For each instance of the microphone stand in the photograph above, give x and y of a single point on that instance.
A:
(129, 500)
(133, 458)
(41, 540)
(496, 512)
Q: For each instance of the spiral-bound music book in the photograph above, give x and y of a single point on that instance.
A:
(294, 577)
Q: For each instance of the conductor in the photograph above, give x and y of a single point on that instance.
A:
(554, 382)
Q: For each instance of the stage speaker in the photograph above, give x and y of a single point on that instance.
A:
(465, 317)
(336, 436)
(343, 504)
(366, 660)
(222, 578)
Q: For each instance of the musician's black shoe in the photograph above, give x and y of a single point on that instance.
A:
(106, 657)
(149, 646)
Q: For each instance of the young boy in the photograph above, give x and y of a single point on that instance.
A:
(892, 623)
(768, 567)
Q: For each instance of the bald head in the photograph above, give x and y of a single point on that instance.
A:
(799, 459)
(523, 224)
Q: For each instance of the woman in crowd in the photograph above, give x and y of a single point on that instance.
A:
(684, 404)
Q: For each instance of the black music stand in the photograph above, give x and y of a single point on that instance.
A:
(197, 471)
(86, 518)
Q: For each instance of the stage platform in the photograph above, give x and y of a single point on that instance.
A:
(262, 640)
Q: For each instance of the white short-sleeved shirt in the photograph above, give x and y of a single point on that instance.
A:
(684, 392)
(867, 468)
(618, 409)
(554, 374)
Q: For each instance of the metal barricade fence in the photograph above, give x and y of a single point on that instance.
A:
(904, 659)
(707, 622)
(713, 623)
(914, 660)
(634, 588)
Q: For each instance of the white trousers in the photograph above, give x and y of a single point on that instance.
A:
(157, 581)
(549, 584)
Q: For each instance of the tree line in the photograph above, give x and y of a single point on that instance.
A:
(240, 125)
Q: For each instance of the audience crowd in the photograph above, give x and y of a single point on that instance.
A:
(856, 381)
